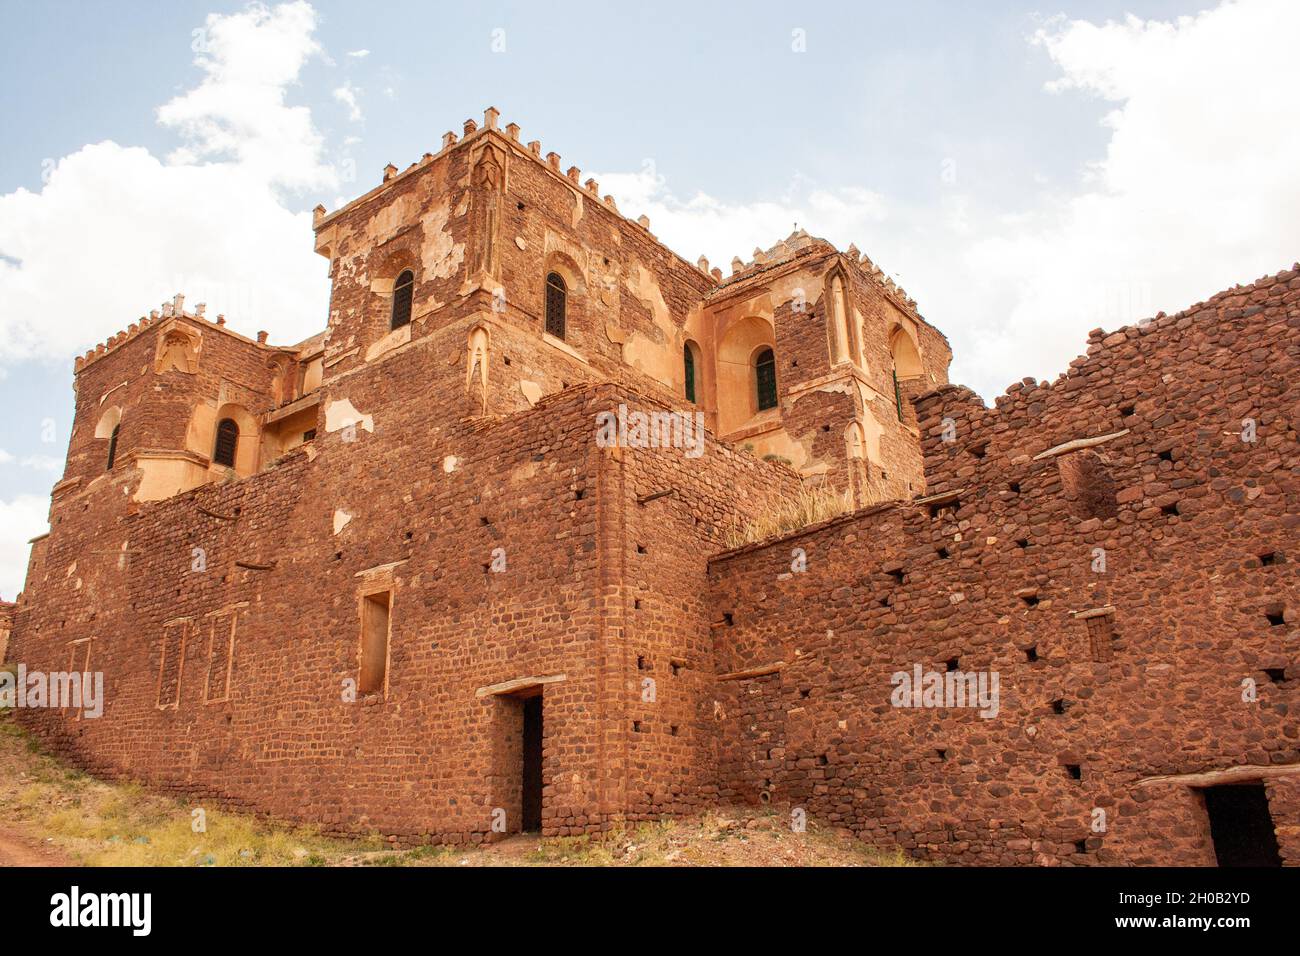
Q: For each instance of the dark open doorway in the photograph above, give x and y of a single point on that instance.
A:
(532, 776)
(1241, 826)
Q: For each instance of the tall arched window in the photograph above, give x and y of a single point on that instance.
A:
(765, 379)
(223, 453)
(112, 448)
(688, 366)
(556, 293)
(402, 292)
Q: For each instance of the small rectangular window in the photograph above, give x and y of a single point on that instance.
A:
(375, 610)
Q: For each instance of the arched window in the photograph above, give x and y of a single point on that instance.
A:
(765, 379)
(223, 453)
(112, 448)
(402, 291)
(556, 293)
(688, 365)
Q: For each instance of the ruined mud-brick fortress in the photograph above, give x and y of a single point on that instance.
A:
(387, 580)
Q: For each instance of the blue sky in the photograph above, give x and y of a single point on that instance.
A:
(1027, 171)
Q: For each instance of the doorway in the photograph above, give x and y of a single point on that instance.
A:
(532, 770)
(1241, 825)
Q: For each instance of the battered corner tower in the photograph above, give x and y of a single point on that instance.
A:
(392, 579)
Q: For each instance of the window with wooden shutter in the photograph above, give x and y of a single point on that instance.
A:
(403, 290)
(556, 294)
(223, 453)
(765, 379)
(688, 361)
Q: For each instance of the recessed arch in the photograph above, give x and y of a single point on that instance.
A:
(737, 353)
(855, 441)
(906, 355)
(177, 348)
(564, 265)
(478, 347)
(843, 338)
(108, 422)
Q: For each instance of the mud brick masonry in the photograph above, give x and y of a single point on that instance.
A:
(387, 579)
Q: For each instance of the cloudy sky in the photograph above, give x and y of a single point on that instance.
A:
(1027, 171)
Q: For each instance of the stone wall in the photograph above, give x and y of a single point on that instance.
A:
(1137, 599)
(226, 620)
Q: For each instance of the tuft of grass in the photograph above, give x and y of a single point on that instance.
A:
(121, 824)
(573, 851)
(790, 513)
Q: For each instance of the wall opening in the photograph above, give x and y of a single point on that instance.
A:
(375, 615)
(112, 448)
(1087, 485)
(532, 765)
(1241, 826)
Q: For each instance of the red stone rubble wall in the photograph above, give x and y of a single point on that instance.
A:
(992, 572)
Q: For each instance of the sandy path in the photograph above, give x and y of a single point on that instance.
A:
(21, 849)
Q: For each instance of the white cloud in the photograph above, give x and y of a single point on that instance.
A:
(1198, 190)
(347, 95)
(359, 54)
(238, 111)
(721, 230)
(23, 518)
(42, 463)
(35, 462)
(210, 221)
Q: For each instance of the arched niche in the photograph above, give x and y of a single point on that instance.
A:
(478, 348)
(108, 421)
(843, 338)
(283, 379)
(737, 390)
(906, 354)
(177, 349)
(575, 281)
